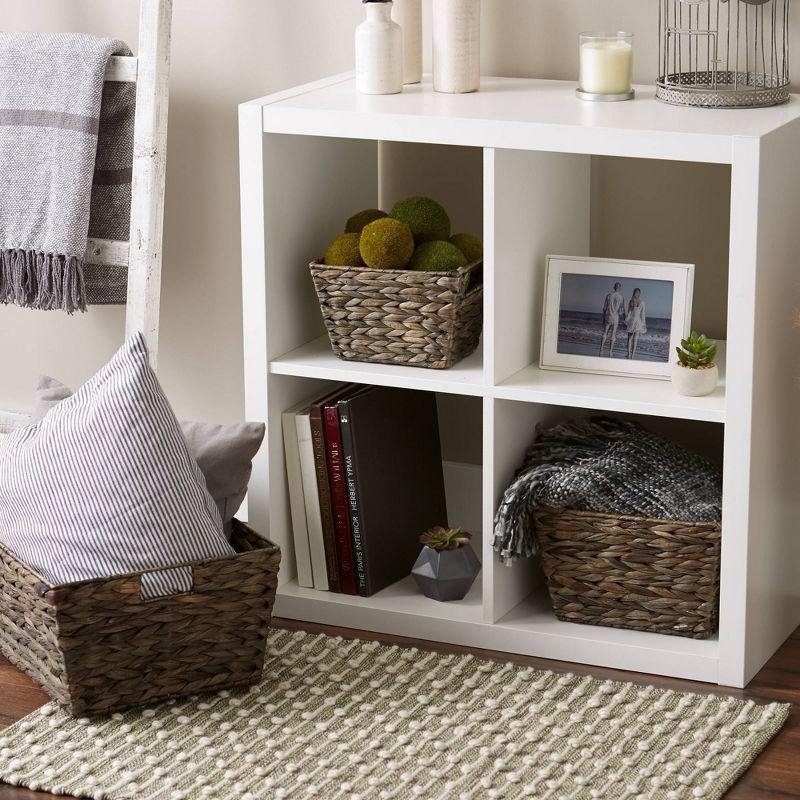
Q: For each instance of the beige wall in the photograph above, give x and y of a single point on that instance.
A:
(226, 51)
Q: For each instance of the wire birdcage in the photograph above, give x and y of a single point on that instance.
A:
(723, 53)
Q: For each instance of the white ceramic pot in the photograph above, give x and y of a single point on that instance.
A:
(408, 15)
(456, 46)
(694, 382)
(379, 51)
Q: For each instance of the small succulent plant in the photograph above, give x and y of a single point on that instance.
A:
(441, 538)
(697, 352)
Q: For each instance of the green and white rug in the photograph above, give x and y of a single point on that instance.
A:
(337, 719)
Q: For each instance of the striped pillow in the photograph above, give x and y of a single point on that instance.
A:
(224, 453)
(104, 485)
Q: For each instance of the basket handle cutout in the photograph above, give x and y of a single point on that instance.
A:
(160, 583)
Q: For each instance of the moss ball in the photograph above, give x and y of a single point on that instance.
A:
(437, 257)
(426, 218)
(359, 221)
(344, 251)
(471, 246)
(387, 244)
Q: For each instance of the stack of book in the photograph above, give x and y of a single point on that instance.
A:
(364, 467)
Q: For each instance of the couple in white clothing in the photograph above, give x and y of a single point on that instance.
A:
(634, 318)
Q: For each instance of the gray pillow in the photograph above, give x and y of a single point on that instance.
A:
(225, 456)
(49, 391)
(224, 453)
(105, 485)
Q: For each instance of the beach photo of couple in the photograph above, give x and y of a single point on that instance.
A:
(614, 317)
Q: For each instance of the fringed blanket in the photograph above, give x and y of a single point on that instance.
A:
(608, 466)
(65, 168)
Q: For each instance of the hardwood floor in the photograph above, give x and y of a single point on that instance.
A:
(774, 776)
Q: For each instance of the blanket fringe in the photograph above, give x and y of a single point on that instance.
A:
(44, 281)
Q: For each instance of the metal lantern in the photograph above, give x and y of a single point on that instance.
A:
(723, 53)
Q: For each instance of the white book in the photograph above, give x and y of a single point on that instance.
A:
(316, 543)
(294, 477)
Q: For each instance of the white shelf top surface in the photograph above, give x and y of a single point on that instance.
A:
(403, 597)
(521, 113)
(613, 393)
(403, 610)
(531, 384)
(316, 360)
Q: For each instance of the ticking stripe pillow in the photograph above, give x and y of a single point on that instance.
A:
(104, 485)
(224, 453)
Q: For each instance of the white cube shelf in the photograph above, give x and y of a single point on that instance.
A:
(313, 155)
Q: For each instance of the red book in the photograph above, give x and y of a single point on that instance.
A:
(339, 505)
(323, 485)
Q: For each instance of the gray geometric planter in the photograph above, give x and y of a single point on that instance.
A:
(447, 574)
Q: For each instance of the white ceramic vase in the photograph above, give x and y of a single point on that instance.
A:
(379, 51)
(456, 46)
(408, 15)
(694, 382)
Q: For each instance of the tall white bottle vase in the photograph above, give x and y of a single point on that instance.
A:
(456, 46)
(379, 51)
(408, 15)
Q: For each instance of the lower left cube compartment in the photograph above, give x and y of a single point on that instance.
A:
(97, 647)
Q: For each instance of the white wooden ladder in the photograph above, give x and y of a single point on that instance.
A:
(142, 253)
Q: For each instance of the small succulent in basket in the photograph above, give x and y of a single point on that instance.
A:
(695, 373)
(447, 566)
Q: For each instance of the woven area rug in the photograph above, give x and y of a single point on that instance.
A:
(341, 719)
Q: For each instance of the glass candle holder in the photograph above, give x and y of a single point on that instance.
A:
(606, 66)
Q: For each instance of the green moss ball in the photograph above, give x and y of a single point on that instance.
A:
(437, 257)
(471, 246)
(387, 244)
(359, 221)
(344, 251)
(426, 218)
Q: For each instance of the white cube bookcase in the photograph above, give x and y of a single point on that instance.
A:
(313, 155)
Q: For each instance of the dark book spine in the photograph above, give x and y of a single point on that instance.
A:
(353, 500)
(341, 512)
(326, 512)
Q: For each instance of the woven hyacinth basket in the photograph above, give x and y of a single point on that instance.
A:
(97, 647)
(406, 317)
(630, 572)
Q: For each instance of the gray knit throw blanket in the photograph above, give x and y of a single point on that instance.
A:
(608, 466)
(65, 168)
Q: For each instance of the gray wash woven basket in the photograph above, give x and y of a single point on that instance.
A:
(405, 317)
(96, 647)
(629, 572)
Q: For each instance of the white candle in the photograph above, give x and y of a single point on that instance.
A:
(606, 65)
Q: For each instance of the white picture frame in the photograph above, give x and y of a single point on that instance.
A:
(567, 343)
